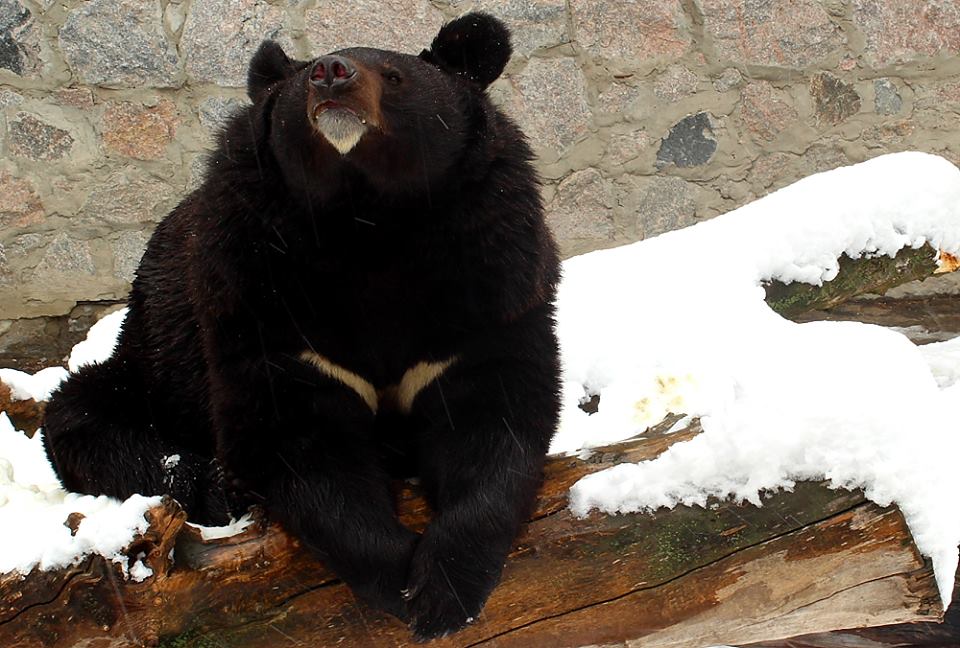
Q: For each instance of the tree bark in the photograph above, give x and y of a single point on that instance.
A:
(26, 415)
(859, 276)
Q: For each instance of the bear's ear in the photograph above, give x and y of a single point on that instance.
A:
(269, 65)
(476, 45)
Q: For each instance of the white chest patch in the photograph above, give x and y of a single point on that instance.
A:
(399, 396)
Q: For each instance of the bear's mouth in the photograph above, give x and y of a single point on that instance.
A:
(339, 124)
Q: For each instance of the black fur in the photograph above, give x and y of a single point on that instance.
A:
(269, 65)
(476, 45)
(424, 242)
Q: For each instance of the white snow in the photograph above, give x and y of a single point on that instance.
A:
(944, 361)
(687, 333)
(139, 572)
(38, 386)
(215, 533)
(855, 404)
(168, 464)
(96, 347)
(100, 341)
(33, 509)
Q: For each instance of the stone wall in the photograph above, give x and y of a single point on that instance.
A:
(647, 115)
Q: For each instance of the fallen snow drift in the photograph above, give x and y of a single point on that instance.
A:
(96, 347)
(33, 509)
(33, 502)
(779, 402)
(689, 332)
(38, 386)
(100, 341)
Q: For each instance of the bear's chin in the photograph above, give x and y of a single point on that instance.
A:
(342, 128)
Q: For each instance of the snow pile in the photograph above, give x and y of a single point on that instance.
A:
(140, 572)
(96, 347)
(33, 501)
(944, 361)
(33, 509)
(779, 402)
(38, 386)
(100, 341)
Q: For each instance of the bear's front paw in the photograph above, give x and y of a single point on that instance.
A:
(381, 584)
(384, 593)
(445, 593)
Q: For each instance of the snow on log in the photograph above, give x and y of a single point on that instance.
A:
(25, 414)
(809, 561)
(857, 276)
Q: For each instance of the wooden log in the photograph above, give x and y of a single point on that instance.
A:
(26, 415)
(859, 276)
(809, 561)
(903, 635)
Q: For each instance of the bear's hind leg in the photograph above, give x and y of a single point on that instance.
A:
(104, 436)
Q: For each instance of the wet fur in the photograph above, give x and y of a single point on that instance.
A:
(425, 242)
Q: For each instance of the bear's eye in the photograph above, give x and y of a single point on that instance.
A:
(392, 77)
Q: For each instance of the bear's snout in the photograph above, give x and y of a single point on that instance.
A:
(343, 100)
(332, 71)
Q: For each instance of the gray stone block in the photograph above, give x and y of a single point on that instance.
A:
(676, 83)
(20, 205)
(834, 100)
(624, 147)
(767, 32)
(34, 139)
(551, 102)
(582, 207)
(689, 143)
(660, 204)
(402, 25)
(127, 250)
(765, 110)
(220, 36)
(120, 44)
(19, 43)
(633, 33)
(896, 31)
(215, 111)
(886, 98)
(128, 197)
(66, 254)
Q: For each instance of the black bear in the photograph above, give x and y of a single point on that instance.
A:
(361, 288)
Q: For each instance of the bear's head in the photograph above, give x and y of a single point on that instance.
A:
(398, 120)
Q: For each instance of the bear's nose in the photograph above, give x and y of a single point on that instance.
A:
(332, 71)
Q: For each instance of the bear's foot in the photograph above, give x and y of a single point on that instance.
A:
(446, 591)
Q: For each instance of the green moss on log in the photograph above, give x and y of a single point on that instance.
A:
(189, 639)
(689, 537)
(856, 277)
